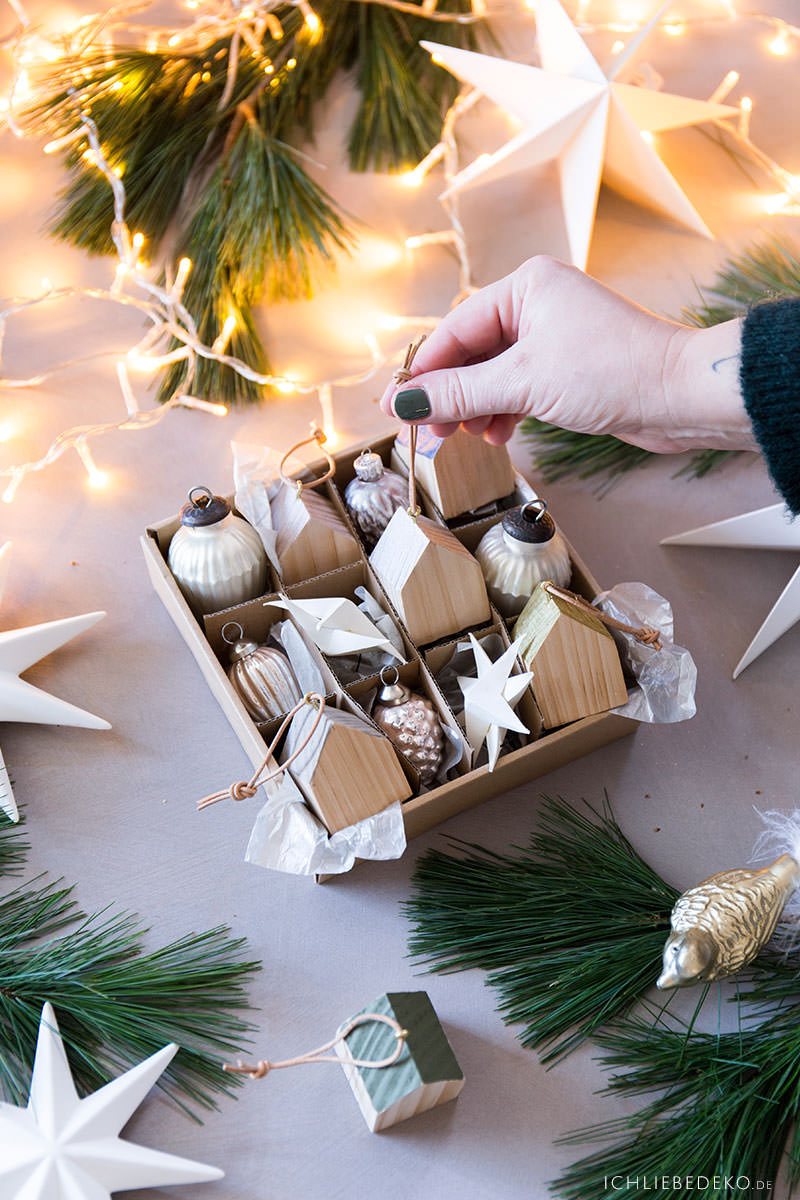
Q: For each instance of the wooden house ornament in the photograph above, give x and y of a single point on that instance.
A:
(435, 584)
(574, 659)
(347, 771)
(312, 537)
(459, 473)
(426, 1073)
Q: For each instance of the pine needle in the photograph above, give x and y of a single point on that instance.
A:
(563, 959)
(765, 271)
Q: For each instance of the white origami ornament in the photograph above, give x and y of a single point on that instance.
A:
(20, 701)
(63, 1148)
(574, 112)
(770, 528)
(337, 626)
(489, 699)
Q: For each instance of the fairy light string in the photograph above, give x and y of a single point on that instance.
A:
(32, 46)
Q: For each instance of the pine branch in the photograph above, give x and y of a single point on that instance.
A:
(403, 92)
(726, 1109)
(564, 959)
(768, 270)
(263, 227)
(223, 176)
(116, 1003)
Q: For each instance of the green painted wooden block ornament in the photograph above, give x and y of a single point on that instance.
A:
(425, 1075)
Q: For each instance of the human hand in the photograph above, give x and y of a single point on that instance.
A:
(548, 341)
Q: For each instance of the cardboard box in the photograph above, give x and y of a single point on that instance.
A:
(466, 790)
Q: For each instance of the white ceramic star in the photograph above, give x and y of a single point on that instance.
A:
(489, 699)
(770, 528)
(20, 701)
(63, 1148)
(572, 111)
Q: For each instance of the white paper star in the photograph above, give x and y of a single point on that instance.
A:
(770, 528)
(489, 699)
(64, 1148)
(572, 111)
(337, 625)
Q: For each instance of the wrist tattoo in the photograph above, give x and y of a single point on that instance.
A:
(715, 366)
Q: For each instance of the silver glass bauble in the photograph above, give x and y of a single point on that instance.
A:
(374, 495)
(410, 722)
(519, 552)
(262, 676)
(217, 559)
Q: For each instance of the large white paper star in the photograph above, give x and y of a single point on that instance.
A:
(20, 701)
(489, 699)
(770, 528)
(63, 1148)
(573, 111)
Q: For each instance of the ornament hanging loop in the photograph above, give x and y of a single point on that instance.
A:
(538, 507)
(402, 375)
(642, 633)
(264, 1066)
(384, 671)
(231, 625)
(206, 496)
(318, 437)
(245, 791)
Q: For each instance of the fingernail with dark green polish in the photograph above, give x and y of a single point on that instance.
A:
(412, 404)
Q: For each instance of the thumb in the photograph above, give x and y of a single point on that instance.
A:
(485, 389)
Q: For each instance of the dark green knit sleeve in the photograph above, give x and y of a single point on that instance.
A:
(769, 374)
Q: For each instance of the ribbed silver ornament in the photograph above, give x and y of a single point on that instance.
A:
(411, 723)
(217, 559)
(262, 676)
(520, 551)
(374, 496)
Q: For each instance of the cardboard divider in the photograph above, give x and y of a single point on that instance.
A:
(343, 582)
(416, 676)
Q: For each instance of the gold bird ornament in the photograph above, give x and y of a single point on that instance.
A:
(720, 926)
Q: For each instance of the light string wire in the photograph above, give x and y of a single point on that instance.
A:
(168, 318)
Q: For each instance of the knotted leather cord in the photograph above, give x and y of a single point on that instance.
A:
(320, 437)
(245, 791)
(264, 1066)
(643, 633)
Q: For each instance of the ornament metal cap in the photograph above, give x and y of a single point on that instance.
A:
(207, 509)
(394, 692)
(241, 646)
(368, 466)
(531, 523)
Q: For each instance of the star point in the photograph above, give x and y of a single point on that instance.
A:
(770, 528)
(62, 1147)
(591, 123)
(489, 699)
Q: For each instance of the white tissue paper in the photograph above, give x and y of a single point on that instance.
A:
(256, 480)
(288, 837)
(665, 678)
